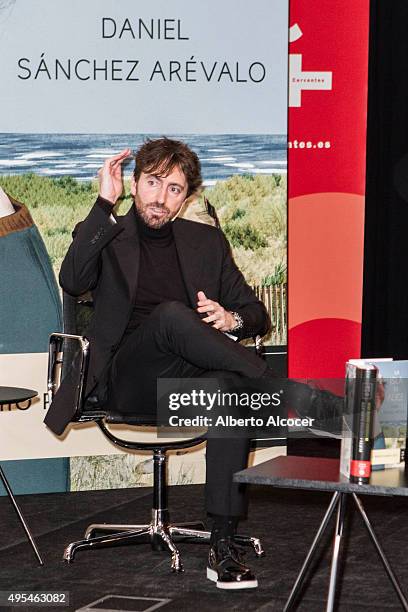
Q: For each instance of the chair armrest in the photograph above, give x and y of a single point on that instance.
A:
(56, 363)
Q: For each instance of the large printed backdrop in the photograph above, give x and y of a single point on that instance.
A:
(137, 70)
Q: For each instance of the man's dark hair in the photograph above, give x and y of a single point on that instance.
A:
(161, 155)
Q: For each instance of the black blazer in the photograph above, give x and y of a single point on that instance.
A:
(104, 258)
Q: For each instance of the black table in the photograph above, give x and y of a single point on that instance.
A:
(17, 395)
(315, 473)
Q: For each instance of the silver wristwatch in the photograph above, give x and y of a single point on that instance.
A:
(239, 322)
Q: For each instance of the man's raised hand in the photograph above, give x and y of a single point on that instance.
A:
(110, 177)
(218, 317)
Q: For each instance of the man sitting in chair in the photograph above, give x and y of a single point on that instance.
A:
(164, 290)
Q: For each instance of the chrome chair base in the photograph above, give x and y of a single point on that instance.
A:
(161, 534)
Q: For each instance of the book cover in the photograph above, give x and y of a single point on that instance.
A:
(392, 413)
(359, 417)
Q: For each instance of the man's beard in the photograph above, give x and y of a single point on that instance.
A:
(146, 212)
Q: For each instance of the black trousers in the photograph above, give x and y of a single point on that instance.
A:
(173, 342)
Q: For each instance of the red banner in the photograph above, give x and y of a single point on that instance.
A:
(328, 74)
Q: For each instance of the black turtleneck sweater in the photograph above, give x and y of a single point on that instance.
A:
(160, 279)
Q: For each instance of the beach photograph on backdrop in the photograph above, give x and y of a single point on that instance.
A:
(54, 175)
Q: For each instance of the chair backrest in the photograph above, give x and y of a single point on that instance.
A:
(68, 356)
(69, 352)
(77, 315)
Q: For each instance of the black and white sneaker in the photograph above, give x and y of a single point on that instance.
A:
(226, 566)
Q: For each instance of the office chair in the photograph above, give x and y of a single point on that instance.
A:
(161, 533)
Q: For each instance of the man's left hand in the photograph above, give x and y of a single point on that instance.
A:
(218, 317)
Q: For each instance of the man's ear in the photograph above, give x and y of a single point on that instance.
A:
(133, 186)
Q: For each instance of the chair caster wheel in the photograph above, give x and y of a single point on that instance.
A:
(176, 564)
(258, 548)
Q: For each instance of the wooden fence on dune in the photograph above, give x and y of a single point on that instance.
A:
(275, 299)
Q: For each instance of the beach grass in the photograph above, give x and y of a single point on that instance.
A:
(251, 210)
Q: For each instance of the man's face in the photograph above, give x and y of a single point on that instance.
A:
(159, 198)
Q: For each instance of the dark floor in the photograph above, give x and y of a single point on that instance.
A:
(285, 520)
